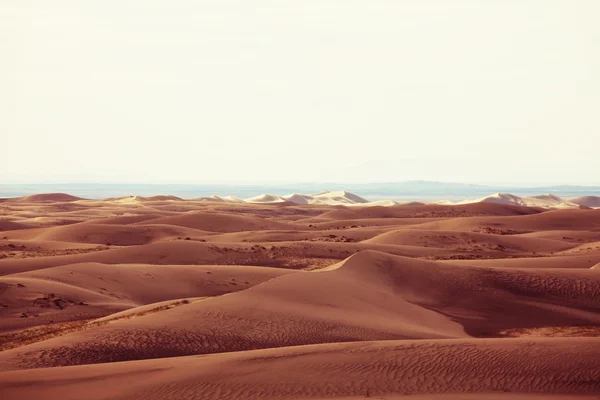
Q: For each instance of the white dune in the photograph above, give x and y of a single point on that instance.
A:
(265, 198)
(214, 197)
(226, 199)
(299, 198)
(127, 200)
(233, 199)
(381, 203)
(544, 201)
(344, 198)
(443, 202)
(339, 198)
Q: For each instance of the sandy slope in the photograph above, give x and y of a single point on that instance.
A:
(589, 201)
(109, 234)
(370, 369)
(469, 240)
(220, 222)
(92, 290)
(544, 200)
(46, 197)
(585, 220)
(370, 296)
(377, 301)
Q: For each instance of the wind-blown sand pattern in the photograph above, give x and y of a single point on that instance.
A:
(324, 296)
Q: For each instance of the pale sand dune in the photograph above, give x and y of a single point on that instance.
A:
(324, 198)
(126, 200)
(138, 199)
(232, 199)
(486, 367)
(265, 198)
(443, 202)
(300, 198)
(545, 200)
(328, 198)
(381, 203)
(158, 277)
(213, 197)
(161, 198)
(339, 197)
(219, 199)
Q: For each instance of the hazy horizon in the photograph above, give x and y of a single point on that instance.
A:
(400, 191)
(193, 92)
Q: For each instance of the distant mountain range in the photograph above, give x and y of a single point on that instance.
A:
(406, 191)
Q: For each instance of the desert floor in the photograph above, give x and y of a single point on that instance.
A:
(162, 298)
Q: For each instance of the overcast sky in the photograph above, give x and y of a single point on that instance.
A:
(292, 91)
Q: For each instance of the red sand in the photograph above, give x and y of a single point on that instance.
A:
(221, 300)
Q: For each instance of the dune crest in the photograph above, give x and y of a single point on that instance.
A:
(320, 296)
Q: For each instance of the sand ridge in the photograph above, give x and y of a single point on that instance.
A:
(297, 296)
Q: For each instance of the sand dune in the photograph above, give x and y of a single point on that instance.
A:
(112, 234)
(162, 198)
(8, 225)
(383, 203)
(573, 261)
(491, 367)
(339, 197)
(125, 219)
(265, 198)
(219, 199)
(300, 198)
(343, 198)
(300, 295)
(324, 198)
(471, 241)
(427, 211)
(46, 197)
(220, 222)
(589, 201)
(370, 296)
(545, 200)
(568, 236)
(550, 220)
(84, 291)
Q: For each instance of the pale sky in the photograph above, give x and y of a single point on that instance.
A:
(293, 91)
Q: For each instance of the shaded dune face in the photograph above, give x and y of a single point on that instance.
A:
(293, 298)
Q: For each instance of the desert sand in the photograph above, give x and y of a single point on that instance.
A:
(323, 296)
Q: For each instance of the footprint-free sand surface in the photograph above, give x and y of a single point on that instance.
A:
(293, 298)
